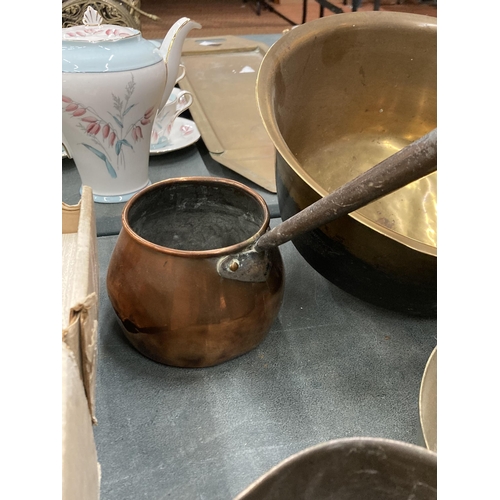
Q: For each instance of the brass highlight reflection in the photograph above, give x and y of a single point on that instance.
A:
(410, 211)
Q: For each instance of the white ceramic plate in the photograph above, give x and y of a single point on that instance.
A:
(184, 133)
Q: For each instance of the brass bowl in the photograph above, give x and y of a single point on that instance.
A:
(351, 469)
(338, 95)
(427, 402)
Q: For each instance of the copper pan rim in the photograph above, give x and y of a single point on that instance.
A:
(217, 252)
(263, 91)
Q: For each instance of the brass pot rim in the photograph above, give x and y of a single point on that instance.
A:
(278, 52)
(216, 252)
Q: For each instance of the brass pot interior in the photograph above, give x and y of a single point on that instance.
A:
(340, 94)
(196, 215)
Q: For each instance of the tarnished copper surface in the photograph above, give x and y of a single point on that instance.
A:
(338, 95)
(173, 305)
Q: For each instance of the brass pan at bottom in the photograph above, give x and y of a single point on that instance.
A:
(359, 468)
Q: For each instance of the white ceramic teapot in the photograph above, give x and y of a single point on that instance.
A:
(113, 84)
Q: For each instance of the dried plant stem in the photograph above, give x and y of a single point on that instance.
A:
(151, 16)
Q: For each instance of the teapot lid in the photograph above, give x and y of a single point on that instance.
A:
(93, 31)
(105, 48)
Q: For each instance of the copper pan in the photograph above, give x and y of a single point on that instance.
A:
(337, 95)
(195, 277)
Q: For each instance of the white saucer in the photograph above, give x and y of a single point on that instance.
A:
(184, 133)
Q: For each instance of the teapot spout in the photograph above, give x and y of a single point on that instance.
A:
(171, 50)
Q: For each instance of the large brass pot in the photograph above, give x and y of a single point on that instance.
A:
(338, 95)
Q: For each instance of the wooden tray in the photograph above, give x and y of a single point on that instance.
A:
(81, 472)
(80, 288)
(221, 73)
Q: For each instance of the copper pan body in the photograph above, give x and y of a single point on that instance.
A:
(338, 95)
(172, 304)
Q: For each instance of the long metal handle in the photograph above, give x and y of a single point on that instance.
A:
(413, 162)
